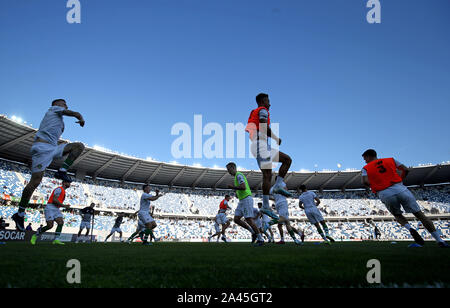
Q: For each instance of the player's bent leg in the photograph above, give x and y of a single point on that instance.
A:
(267, 179)
(73, 150)
(40, 231)
(320, 231)
(428, 224)
(404, 223)
(251, 223)
(286, 162)
(327, 232)
(149, 226)
(280, 230)
(291, 232)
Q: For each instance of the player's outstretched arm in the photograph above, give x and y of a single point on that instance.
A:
(317, 201)
(75, 114)
(300, 204)
(156, 197)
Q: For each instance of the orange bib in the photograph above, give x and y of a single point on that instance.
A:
(253, 122)
(61, 197)
(382, 173)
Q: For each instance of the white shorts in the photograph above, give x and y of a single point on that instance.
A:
(404, 199)
(221, 218)
(217, 227)
(116, 230)
(283, 209)
(42, 155)
(85, 224)
(264, 154)
(245, 208)
(52, 212)
(145, 217)
(314, 216)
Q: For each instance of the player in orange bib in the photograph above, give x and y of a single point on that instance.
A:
(259, 131)
(221, 219)
(382, 177)
(53, 214)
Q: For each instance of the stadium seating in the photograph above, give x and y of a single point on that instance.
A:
(113, 196)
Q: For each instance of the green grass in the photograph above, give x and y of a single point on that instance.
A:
(211, 265)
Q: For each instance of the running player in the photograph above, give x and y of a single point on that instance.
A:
(86, 216)
(382, 177)
(144, 212)
(116, 227)
(221, 219)
(53, 214)
(245, 205)
(45, 148)
(282, 207)
(309, 202)
(259, 131)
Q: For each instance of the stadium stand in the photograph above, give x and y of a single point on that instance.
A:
(192, 194)
(201, 205)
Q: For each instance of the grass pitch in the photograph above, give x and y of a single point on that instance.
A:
(223, 265)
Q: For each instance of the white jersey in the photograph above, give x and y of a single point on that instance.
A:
(279, 198)
(308, 200)
(145, 203)
(52, 125)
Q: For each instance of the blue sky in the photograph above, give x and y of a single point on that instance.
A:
(337, 84)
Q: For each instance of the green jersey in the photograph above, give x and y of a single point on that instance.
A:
(240, 178)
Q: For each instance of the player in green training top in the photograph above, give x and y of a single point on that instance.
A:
(245, 205)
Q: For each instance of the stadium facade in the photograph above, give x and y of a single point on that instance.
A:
(16, 140)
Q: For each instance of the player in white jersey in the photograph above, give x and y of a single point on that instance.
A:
(309, 202)
(221, 219)
(217, 229)
(144, 212)
(116, 227)
(45, 149)
(281, 204)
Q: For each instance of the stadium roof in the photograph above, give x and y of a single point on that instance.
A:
(16, 140)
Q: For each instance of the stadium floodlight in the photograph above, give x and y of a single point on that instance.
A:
(17, 119)
(197, 165)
